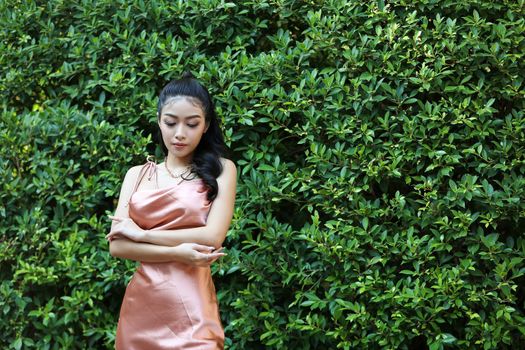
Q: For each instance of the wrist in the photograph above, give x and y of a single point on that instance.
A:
(144, 235)
(175, 253)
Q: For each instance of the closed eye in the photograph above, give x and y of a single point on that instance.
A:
(190, 125)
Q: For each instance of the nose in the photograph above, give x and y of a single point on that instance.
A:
(179, 132)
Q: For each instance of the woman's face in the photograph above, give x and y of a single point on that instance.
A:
(182, 124)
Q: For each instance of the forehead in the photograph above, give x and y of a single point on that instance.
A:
(182, 107)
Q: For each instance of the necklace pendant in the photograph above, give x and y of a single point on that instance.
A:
(188, 168)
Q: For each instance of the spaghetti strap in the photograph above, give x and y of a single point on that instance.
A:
(151, 168)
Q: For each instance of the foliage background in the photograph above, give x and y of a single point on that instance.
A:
(380, 147)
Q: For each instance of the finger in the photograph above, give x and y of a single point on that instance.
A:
(115, 218)
(213, 255)
(210, 257)
(219, 250)
(215, 259)
(115, 236)
(203, 248)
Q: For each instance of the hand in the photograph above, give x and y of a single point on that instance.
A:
(125, 227)
(197, 254)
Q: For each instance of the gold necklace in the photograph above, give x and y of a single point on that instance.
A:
(188, 168)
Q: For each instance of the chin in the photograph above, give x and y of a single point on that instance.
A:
(181, 154)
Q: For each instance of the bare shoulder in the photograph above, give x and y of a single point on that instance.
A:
(132, 175)
(228, 167)
(227, 182)
(133, 172)
(126, 190)
(134, 169)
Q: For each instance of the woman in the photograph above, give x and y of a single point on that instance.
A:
(175, 225)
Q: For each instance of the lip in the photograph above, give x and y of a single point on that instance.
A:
(179, 144)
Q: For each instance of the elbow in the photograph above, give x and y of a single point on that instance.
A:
(217, 240)
(218, 243)
(113, 248)
(214, 243)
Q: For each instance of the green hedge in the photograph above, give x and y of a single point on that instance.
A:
(380, 148)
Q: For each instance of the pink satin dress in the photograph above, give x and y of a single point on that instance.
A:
(169, 305)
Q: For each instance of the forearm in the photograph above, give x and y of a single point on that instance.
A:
(139, 251)
(202, 235)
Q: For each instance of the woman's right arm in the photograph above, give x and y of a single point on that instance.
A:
(128, 249)
(189, 253)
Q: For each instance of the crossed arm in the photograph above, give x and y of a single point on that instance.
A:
(129, 241)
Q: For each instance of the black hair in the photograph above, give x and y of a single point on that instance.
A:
(206, 159)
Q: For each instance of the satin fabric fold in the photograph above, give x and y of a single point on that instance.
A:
(169, 305)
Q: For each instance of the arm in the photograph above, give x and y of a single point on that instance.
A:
(217, 223)
(188, 253)
(122, 247)
(128, 249)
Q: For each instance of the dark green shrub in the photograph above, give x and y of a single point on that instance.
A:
(379, 146)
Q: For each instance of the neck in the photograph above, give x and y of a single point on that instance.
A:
(177, 162)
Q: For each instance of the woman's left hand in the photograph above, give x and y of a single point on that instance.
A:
(125, 227)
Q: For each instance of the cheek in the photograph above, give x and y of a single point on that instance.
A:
(165, 135)
(198, 135)
(165, 131)
(194, 132)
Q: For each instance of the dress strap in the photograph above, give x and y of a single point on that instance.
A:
(151, 169)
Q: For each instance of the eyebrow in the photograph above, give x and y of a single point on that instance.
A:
(188, 117)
